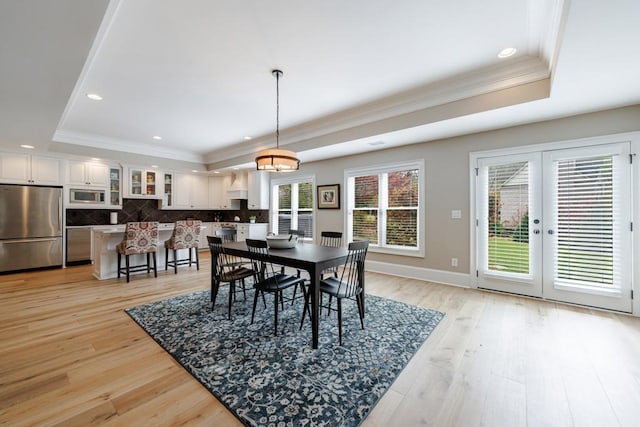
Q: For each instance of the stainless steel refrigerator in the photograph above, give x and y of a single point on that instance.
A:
(30, 227)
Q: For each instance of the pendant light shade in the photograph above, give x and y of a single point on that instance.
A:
(275, 159)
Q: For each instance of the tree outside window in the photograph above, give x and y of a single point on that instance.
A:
(385, 207)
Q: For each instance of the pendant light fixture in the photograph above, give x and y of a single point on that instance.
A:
(275, 159)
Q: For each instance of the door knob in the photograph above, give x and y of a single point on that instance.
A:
(536, 231)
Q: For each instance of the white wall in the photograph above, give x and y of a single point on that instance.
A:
(447, 183)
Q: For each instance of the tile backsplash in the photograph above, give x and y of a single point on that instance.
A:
(147, 210)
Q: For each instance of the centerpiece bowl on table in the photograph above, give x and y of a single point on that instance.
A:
(281, 241)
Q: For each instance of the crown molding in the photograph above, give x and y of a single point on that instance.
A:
(517, 72)
(114, 144)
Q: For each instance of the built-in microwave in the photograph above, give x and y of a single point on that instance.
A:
(86, 196)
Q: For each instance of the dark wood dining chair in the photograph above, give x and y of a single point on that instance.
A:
(225, 270)
(348, 286)
(268, 277)
(230, 235)
(332, 239)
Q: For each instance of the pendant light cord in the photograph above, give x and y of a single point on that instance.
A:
(277, 109)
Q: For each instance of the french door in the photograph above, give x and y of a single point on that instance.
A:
(557, 225)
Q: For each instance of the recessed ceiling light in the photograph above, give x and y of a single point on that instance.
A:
(94, 96)
(95, 159)
(507, 52)
(216, 171)
(31, 147)
(157, 137)
(194, 171)
(247, 138)
(235, 169)
(154, 166)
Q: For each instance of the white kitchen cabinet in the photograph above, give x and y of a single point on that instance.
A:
(18, 168)
(218, 195)
(258, 190)
(143, 183)
(83, 174)
(181, 191)
(251, 231)
(185, 191)
(199, 192)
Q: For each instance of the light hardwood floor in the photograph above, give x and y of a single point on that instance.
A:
(69, 355)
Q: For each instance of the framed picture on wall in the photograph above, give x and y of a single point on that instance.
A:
(328, 196)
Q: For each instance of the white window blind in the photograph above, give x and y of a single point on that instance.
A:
(586, 211)
(508, 218)
(293, 207)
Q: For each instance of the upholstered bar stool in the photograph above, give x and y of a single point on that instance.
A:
(139, 238)
(186, 235)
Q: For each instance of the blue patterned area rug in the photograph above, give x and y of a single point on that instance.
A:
(281, 381)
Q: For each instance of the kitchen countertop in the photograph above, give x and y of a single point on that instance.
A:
(119, 228)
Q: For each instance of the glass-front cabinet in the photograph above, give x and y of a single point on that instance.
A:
(168, 190)
(144, 183)
(115, 180)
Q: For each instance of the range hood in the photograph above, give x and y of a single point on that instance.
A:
(238, 188)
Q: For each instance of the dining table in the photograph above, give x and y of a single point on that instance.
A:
(310, 257)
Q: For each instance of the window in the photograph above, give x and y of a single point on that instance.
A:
(385, 207)
(292, 206)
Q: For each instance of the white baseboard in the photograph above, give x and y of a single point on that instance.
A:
(419, 273)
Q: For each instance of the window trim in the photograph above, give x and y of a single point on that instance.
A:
(386, 168)
(293, 180)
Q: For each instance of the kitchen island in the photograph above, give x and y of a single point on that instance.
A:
(105, 256)
(107, 237)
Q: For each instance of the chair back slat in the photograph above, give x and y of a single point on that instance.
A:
(259, 254)
(227, 235)
(217, 257)
(331, 238)
(353, 268)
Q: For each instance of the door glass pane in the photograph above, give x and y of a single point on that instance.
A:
(585, 212)
(508, 210)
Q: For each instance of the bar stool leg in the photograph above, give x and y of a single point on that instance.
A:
(197, 259)
(155, 264)
(166, 258)
(175, 261)
(119, 263)
(126, 261)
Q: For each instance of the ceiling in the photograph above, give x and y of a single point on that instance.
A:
(358, 75)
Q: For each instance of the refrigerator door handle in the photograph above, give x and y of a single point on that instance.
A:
(60, 216)
(48, 239)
